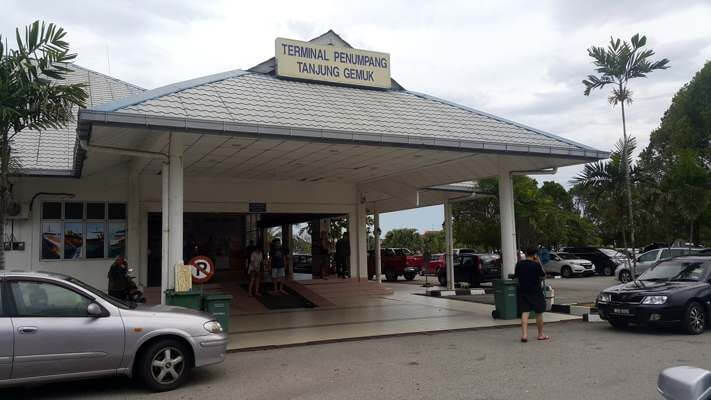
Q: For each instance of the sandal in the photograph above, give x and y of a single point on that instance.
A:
(544, 337)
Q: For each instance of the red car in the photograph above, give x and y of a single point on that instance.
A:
(437, 262)
(396, 262)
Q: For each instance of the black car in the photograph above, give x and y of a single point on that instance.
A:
(473, 269)
(604, 264)
(674, 292)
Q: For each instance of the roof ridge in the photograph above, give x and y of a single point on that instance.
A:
(72, 65)
(167, 90)
(504, 120)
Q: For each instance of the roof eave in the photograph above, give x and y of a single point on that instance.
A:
(87, 118)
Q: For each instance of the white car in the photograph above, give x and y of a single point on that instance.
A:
(567, 265)
(650, 259)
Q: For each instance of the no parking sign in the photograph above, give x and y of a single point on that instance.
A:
(202, 268)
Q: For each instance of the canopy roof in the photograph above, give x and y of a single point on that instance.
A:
(394, 144)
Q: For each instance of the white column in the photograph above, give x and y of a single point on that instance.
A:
(165, 281)
(362, 241)
(134, 225)
(353, 242)
(508, 225)
(448, 240)
(175, 208)
(378, 267)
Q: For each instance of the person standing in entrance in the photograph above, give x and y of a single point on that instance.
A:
(343, 252)
(278, 258)
(255, 262)
(530, 294)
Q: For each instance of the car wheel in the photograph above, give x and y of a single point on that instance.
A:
(409, 276)
(625, 276)
(164, 365)
(390, 276)
(608, 271)
(618, 323)
(566, 272)
(442, 280)
(694, 319)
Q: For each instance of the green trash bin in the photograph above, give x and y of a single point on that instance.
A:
(219, 306)
(505, 298)
(190, 299)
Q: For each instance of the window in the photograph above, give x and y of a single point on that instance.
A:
(42, 299)
(74, 230)
(665, 254)
(649, 256)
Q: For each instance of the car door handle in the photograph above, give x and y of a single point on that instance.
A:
(27, 329)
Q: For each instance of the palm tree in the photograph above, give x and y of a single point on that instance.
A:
(617, 64)
(32, 95)
(604, 181)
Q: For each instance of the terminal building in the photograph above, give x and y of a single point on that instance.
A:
(202, 167)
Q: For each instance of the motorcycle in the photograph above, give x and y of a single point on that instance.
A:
(133, 292)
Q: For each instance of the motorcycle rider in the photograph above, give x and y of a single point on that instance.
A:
(118, 278)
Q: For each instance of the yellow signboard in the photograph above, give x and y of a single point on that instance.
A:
(304, 60)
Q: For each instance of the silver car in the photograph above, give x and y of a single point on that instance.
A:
(649, 259)
(54, 327)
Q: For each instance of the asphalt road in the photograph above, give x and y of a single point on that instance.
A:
(582, 361)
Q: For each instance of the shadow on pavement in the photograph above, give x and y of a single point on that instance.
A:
(114, 387)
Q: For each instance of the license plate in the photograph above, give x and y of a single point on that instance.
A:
(620, 311)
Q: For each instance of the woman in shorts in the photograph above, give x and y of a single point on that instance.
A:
(256, 259)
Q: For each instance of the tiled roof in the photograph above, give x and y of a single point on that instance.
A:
(262, 99)
(52, 152)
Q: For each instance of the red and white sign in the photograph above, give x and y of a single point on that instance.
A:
(202, 269)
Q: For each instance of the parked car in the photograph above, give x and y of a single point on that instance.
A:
(604, 264)
(567, 265)
(302, 263)
(436, 262)
(674, 292)
(396, 262)
(56, 327)
(473, 269)
(457, 252)
(651, 258)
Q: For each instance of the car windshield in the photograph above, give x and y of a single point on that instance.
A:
(435, 257)
(114, 301)
(692, 271)
(612, 253)
(567, 256)
(402, 252)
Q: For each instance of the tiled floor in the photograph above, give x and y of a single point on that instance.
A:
(351, 317)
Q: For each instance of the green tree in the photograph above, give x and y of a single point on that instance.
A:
(434, 242)
(33, 95)
(616, 65)
(603, 183)
(405, 237)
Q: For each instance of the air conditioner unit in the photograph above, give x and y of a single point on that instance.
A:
(18, 211)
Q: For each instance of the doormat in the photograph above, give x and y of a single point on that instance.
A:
(280, 301)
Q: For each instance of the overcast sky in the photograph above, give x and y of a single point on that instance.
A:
(521, 60)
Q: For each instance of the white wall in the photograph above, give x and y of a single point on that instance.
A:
(201, 195)
(108, 186)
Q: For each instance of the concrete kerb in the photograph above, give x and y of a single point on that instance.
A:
(455, 292)
(589, 314)
(382, 336)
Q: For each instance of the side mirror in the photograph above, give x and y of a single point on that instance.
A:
(95, 310)
(679, 383)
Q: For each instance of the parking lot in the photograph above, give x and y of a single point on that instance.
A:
(582, 361)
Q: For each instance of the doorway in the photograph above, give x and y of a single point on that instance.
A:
(219, 236)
